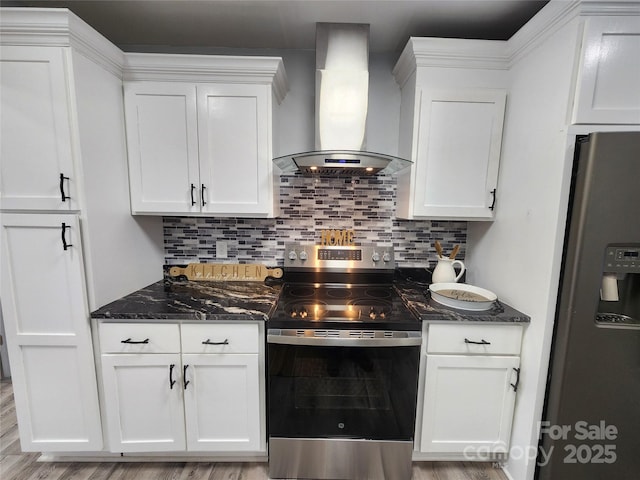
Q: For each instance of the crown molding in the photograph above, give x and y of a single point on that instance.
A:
(556, 14)
(207, 68)
(491, 54)
(551, 18)
(610, 7)
(450, 53)
(58, 27)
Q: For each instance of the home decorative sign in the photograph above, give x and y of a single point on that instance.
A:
(337, 237)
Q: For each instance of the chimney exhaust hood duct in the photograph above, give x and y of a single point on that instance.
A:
(342, 94)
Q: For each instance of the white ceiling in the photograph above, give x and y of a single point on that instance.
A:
(290, 24)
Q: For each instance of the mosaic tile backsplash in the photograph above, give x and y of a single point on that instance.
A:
(308, 205)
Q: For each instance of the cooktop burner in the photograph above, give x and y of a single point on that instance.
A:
(342, 306)
(340, 287)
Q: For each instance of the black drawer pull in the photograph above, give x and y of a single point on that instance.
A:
(209, 342)
(172, 382)
(493, 202)
(193, 201)
(134, 342)
(62, 194)
(203, 194)
(515, 386)
(184, 376)
(481, 342)
(65, 245)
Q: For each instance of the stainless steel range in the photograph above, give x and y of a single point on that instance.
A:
(343, 355)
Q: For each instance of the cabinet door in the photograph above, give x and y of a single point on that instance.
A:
(609, 74)
(468, 403)
(235, 149)
(143, 401)
(35, 127)
(48, 334)
(222, 402)
(162, 142)
(458, 154)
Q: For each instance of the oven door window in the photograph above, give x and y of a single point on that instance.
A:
(347, 392)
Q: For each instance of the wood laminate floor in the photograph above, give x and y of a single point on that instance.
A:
(15, 465)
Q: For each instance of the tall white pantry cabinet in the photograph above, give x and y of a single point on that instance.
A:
(66, 224)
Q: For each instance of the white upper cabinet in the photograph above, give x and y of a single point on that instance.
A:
(37, 169)
(458, 153)
(451, 120)
(608, 83)
(235, 158)
(162, 139)
(200, 143)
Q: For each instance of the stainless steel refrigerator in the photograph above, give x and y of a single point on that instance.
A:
(591, 422)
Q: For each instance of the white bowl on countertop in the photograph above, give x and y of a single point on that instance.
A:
(462, 296)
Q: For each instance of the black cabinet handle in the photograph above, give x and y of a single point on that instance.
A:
(515, 386)
(202, 195)
(134, 342)
(209, 342)
(65, 245)
(481, 342)
(193, 200)
(172, 382)
(184, 376)
(493, 201)
(62, 194)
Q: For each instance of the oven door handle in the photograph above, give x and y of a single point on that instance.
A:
(293, 337)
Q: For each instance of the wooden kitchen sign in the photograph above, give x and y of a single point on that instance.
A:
(337, 237)
(225, 272)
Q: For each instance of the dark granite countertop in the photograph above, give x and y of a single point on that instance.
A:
(187, 300)
(181, 300)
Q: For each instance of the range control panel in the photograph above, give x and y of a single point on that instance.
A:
(622, 258)
(338, 258)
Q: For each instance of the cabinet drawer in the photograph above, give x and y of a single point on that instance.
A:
(220, 338)
(478, 339)
(158, 338)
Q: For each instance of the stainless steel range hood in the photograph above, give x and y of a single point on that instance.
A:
(342, 94)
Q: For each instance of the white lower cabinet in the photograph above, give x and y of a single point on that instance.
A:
(144, 408)
(471, 375)
(46, 315)
(221, 402)
(468, 404)
(176, 400)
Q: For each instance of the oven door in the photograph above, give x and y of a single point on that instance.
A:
(351, 388)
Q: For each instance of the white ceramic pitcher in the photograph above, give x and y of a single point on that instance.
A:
(444, 272)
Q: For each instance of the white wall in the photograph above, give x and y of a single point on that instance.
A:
(518, 255)
(122, 253)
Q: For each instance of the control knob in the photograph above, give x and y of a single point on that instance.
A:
(293, 255)
(375, 257)
(303, 255)
(386, 257)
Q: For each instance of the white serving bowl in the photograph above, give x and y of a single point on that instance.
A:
(461, 296)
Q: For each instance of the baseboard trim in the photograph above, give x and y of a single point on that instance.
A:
(153, 457)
